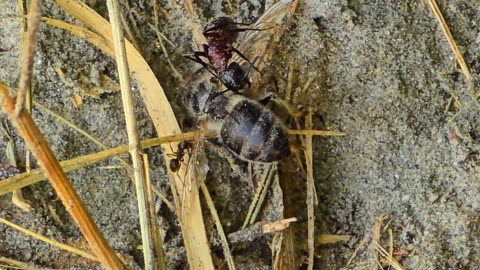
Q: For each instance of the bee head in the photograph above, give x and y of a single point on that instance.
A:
(210, 104)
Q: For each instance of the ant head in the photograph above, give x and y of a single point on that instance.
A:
(221, 23)
(222, 28)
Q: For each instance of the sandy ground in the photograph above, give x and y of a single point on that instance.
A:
(381, 72)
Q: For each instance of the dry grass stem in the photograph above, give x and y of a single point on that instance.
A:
(129, 33)
(313, 132)
(277, 250)
(14, 264)
(64, 189)
(391, 261)
(147, 222)
(156, 237)
(218, 224)
(310, 192)
(193, 229)
(17, 195)
(259, 195)
(267, 178)
(160, 38)
(29, 46)
(125, 164)
(288, 92)
(360, 245)
(451, 41)
(50, 241)
(26, 179)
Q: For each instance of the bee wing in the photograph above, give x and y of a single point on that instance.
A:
(255, 43)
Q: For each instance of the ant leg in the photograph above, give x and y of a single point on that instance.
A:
(245, 76)
(211, 97)
(245, 58)
(196, 58)
(248, 29)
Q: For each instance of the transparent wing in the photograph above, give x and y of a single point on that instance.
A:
(255, 43)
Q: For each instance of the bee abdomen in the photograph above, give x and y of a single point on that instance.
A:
(255, 133)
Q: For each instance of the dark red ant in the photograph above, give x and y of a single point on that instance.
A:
(220, 35)
(183, 146)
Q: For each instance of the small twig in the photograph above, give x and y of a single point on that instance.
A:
(33, 22)
(65, 191)
(259, 229)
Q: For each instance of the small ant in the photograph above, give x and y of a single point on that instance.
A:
(183, 146)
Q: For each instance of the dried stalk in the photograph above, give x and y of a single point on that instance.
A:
(147, 221)
(451, 41)
(51, 167)
(310, 192)
(17, 195)
(226, 249)
(50, 241)
(33, 22)
(26, 179)
(191, 221)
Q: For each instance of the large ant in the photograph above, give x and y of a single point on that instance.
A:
(220, 35)
(175, 163)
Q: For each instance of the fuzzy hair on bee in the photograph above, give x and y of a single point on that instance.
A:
(248, 129)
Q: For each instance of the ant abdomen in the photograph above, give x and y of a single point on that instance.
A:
(254, 133)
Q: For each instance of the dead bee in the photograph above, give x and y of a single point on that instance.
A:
(246, 127)
(182, 148)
